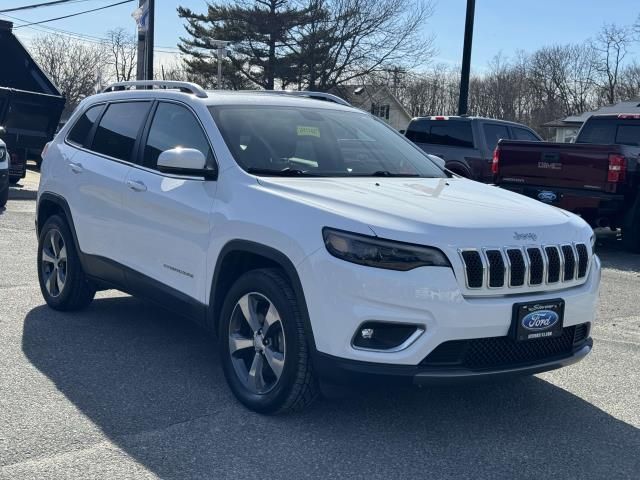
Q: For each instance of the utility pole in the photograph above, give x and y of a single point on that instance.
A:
(144, 16)
(150, 40)
(141, 43)
(463, 103)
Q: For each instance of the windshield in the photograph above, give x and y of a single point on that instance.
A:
(294, 141)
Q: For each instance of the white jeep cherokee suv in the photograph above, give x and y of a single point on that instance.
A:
(314, 240)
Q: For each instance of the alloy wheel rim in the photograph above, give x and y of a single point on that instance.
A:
(54, 263)
(257, 343)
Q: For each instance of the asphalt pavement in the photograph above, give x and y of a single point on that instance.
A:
(128, 390)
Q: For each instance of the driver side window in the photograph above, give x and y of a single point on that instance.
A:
(175, 126)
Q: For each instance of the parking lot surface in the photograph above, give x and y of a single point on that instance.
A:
(128, 390)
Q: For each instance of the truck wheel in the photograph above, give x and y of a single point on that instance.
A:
(631, 228)
(63, 283)
(4, 196)
(263, 348)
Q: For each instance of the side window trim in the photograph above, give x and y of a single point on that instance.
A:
(147, 127)
(94, 128)
(142, 138)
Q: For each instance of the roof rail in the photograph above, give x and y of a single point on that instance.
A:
(186, 87)
(328, 97)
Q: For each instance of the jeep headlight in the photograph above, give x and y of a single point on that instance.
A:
(379, 253)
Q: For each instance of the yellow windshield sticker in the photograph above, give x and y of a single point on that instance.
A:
(308, 132)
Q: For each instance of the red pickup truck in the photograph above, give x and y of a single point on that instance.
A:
(597, 177)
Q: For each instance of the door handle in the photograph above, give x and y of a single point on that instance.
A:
(76, 167)
(136, 185)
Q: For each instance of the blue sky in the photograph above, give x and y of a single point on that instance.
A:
(502, 26)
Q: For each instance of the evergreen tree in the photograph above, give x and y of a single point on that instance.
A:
(260, 32)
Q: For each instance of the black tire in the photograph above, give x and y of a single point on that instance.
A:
(77, 292)
(631, 228)
(4, 196)
(297, 387)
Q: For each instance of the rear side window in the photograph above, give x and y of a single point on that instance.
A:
(441, 132)
(83, 125)
(628, 135)
(455, 134)
(493, 133)
(118, 129)
(418, 131)
(524, 134)
(175, 126)
(598, 131)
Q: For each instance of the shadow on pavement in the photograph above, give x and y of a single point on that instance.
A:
(152, 383)
(610, 250)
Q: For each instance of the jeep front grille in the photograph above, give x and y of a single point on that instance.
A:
(512, 267)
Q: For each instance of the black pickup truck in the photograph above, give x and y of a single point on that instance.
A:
(30, 104)
(465, 143)
(597, 177)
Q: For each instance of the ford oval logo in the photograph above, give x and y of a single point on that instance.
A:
(540, 320)
(547, 196)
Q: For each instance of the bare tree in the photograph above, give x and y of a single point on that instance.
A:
(76, 67)
(122, 50)
(612, 46)
(344, 40)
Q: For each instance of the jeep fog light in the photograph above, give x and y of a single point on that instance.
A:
(385, 337)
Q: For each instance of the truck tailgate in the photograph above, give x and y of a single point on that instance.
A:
(566, 165)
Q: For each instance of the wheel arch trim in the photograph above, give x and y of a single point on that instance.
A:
(269, 253)
(61, 202)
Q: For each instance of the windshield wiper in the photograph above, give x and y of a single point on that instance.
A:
(285, 172)
(386, 173)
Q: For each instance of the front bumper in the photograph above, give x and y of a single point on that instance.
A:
(348, 372)
(341, 296)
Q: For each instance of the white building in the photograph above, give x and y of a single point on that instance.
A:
(378, 100)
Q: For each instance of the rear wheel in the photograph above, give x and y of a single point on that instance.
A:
(631, 228)
(263, 348)
(63, 283)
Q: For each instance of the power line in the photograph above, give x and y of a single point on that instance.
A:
(75, 14)
(38, 5)
(88, 38)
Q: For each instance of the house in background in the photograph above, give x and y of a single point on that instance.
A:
(567, 128)
(377, 100)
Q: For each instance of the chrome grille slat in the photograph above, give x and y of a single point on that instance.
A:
(512, 267)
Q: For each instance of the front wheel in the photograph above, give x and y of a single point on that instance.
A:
(263, 348)
(4, 196)
(63, 283)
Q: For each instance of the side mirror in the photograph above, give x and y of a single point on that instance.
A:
(184, 161)
(438, 161)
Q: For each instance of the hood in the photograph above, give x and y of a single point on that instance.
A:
(456, 211)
